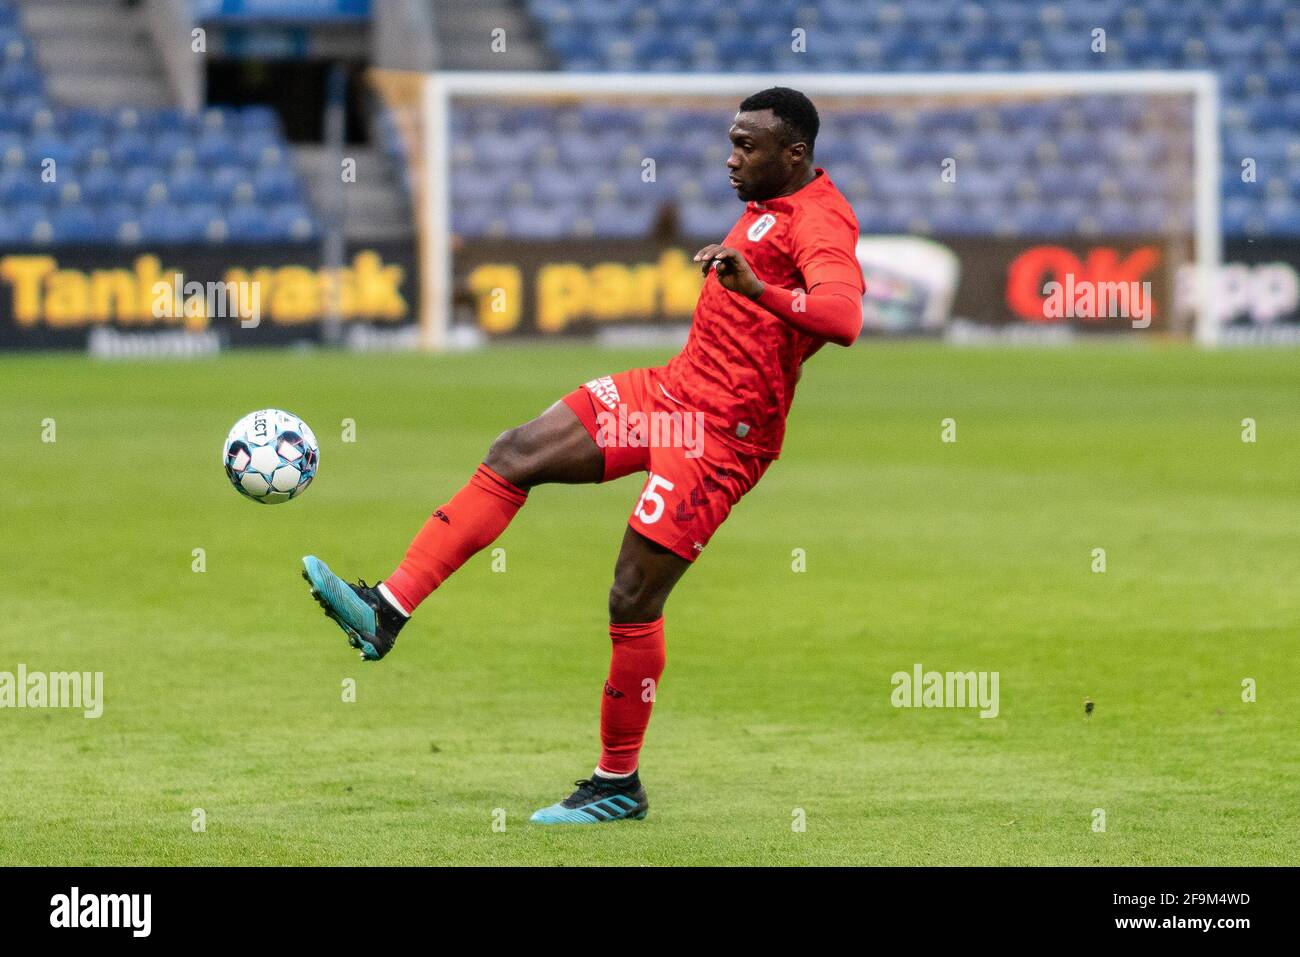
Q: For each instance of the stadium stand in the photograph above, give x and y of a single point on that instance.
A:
(148, 173)
(513, 176)
(136, 174)
(1252, 44)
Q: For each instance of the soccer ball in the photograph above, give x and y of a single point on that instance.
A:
(270, 456)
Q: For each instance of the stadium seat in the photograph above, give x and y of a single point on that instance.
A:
(190, 186)
(566, 168)
(292, 221)
(275, 184)
(134, 174)
(77, 224)
(540, 222)
(20, 186)
(129, 148)
(1253, 45)
(249, 223)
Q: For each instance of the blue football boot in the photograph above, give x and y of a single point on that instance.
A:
(598, 800)
(365, 616)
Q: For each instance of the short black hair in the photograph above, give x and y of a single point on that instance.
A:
(792, 108)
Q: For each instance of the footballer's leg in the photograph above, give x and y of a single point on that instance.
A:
(554, 447)
(689, 492)
(643, 578)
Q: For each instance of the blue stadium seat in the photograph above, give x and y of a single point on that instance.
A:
(166, 223)
(260, 149)
(19, 77)
(24, 108)
(541, 222)
(19, 186)
(706, 219)
(275, 184)
(114, 214)
(200, 218)
(293, 221)
(249, 223)
(100, 185)
(24, 215)
(142, 183)
(216, 148)
(74, 224)
(51, 146)
(473, 219)
(191, 186)
(169, 120)
(1283, 219)
(167, 146)
(232, 184)
(558, 184)
(483, 186)
(622, 219)
(127, 149)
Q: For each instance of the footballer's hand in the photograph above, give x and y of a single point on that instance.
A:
(732, 270)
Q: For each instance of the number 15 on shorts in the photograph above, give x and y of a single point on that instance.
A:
(650, 506)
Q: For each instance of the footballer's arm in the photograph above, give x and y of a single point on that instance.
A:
(829, 310)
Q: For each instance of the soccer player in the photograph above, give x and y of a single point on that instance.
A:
(783, 283)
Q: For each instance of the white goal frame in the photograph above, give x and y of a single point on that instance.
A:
(438, 89)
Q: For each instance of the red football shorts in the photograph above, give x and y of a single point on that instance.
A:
(694, 477)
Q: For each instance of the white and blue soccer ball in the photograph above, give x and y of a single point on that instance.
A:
(271, 456)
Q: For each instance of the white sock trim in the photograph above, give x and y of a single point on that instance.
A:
(392, 600)
(609, 776)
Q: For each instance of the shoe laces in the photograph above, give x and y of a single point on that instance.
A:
(367, 594)
(590, 786)
(587, 787)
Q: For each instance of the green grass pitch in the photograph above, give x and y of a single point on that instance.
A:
(223, 689)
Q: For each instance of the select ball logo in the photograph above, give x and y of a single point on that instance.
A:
(270, 456)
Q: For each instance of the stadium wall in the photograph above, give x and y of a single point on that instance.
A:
(964, 288)
(915, 285)
(136, 300)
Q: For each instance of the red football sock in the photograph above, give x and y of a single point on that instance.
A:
(635, 667)
(470, 522)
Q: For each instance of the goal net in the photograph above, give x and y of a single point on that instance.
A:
(991, 206)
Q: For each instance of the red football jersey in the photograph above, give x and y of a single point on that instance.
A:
(740, 362)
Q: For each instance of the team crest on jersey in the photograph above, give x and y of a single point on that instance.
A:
(604, 390)
(760, 227)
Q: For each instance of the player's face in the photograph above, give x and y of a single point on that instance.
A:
(761, 164)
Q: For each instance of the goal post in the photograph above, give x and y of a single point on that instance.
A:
(1184, 108)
